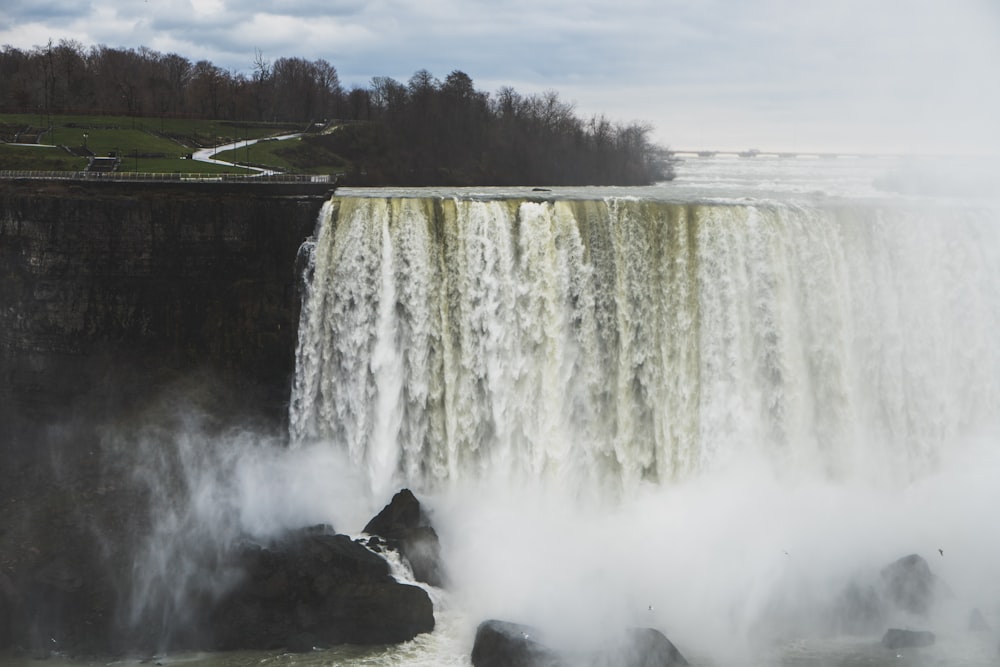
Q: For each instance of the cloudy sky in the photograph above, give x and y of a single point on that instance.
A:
(875, 75)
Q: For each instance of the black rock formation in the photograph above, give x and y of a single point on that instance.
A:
(504, 644)
(316, 588)
(909, 584)
(405, 527)
(870, 602)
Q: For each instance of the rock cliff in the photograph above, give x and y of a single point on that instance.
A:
(109, 294)
(142, 283)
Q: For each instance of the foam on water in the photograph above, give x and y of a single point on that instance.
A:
(719, 407)
(703, 406)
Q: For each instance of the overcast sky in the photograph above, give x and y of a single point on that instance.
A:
(877, 75)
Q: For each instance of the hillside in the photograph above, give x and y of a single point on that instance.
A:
(152, 109)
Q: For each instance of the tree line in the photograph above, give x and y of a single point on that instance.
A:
(67, 77)
(422, 132)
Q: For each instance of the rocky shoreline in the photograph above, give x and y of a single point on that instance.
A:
(310, 588)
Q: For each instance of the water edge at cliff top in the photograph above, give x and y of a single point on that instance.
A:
(730, 179)
(809, 285)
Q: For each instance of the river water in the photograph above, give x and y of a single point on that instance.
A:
(703, 406)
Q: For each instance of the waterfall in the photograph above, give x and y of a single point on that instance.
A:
(611, 343)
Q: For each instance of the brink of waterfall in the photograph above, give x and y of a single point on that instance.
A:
(608, 343)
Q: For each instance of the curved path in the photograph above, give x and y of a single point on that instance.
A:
(205, 154)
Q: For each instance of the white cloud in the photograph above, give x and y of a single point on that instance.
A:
(716, 71)
(208, 7)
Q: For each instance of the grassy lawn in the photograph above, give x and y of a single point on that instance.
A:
(300, 156)
(39, 158)
(175, 166)
(52, 158)
(145, 144)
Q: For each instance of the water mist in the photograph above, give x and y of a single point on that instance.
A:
(707, 418)
(208, 483)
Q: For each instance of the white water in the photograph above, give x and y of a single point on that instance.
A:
(608, 342)
(719, 397)
(701, 406)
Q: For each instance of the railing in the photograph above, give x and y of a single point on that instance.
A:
(164, 178)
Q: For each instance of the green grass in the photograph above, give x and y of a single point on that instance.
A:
(175, 166)
(298, 155)
(260, 154)
(51, 158)
(39, 158)
(166, 141)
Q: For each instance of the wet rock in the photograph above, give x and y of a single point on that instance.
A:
(505, 644)
(909, 584)
(896, 638)
(316, 588)
(402, 514)
(870, 601)
(405, 527)
(643, 647)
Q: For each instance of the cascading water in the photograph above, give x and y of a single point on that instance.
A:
(607, 343)
(718, 408)
(702, 410)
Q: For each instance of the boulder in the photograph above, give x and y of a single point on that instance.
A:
(909, 584)
(316, 588)
(896, 638)
(648, 647)
(403, 513)
(405, 527)
(870, 601)
(505, 644)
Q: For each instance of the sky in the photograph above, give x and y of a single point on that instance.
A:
(876, 76)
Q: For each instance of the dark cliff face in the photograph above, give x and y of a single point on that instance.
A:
(136, 284)
(110, 296)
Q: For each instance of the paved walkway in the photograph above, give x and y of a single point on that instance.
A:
(205, 154)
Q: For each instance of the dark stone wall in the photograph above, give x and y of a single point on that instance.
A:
(106, 293)
(110, 294)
